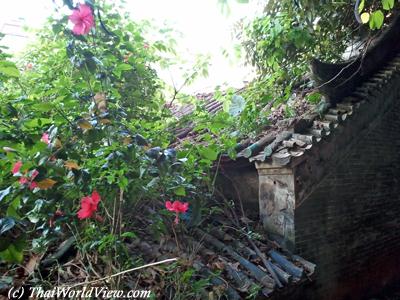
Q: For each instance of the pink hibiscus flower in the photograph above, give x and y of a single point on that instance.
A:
(23, 180)
(89, 205)
(45, 138)
(17, 166)
(177, 207)
(83, 19)
(33, 185)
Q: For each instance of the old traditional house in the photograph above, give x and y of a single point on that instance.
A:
(327, 184)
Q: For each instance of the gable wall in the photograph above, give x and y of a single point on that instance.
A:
(240, 183)
(349, 225)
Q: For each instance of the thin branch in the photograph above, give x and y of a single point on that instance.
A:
(124, 272)
(176, 237)
(337, 75)
(343, 69)
(216, 174)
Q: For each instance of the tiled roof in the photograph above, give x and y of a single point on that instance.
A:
(234, 253)
(243, 267)
(233, 261)
(212, 106)
(291, 146)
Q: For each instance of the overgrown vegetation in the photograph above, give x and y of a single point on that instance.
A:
(83, 136)
(85, 131)
(281, 42)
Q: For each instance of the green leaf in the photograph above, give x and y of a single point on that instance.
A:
(187, 275)
(123, 182)
(180, 191)
(129, 234)
(4, 243)
(43, 106)
(364, 17)
(376, 20)
(208, 153)
(121, 67)
(9, 69)
(153, 182)
(12, 254)
(361, 6)
(34, 214)
(387, 4)
(12, 209)
(314, 98)
(37, 122)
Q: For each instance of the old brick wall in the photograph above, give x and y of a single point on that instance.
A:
(350, 224)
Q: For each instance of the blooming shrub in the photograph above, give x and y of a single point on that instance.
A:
(177, 207)
(89, 205)
(87, 120)
(83, 19)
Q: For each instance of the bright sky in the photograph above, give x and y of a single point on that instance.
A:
(205, 30)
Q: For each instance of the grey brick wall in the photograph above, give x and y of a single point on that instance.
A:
(350, 224)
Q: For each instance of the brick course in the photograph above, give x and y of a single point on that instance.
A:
(351, 221)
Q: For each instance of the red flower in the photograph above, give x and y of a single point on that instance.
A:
(177, 207)
(89, 205)
(23, 180)
(83, 19)
(17, 166)
(33, 185)
(26, 180)
(45, 138)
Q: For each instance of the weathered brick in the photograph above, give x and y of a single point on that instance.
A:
(357, 208)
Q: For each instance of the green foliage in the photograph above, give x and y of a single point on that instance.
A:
(276, 45)
(280, 43)
(100, 102)
(376, 19)
(8, 69)
(387, 4)
(183, 283)
(372, 13)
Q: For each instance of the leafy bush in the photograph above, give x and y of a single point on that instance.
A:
(83, 129)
